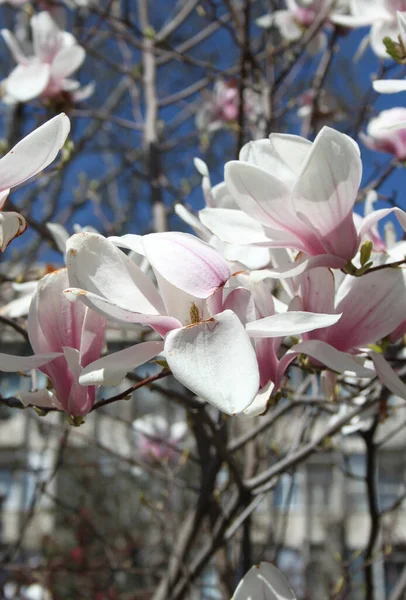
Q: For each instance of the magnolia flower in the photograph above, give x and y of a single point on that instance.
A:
(189, 310)
(273, 183)
(387, 132)
(30, 156)
(372, 307)
(222, 107)
(66, 338)
(56, 56)
(293, 22)
(157, 439)
(392, 86)
(380, 15)
(263, 582)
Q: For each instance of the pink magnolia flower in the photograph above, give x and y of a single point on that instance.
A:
(66, 338)
(387, 132)
(265, 582)
(157, 439)
(30, 156)
(192, 311)
(297, 194)
(372, 307)
(56, 56)
(222, 107)
(293, 22)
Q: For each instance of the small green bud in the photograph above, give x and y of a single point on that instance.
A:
(75, 421)
(366, 250)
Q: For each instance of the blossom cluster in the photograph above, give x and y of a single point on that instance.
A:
(281, 256)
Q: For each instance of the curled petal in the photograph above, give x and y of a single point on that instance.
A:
(12, 225)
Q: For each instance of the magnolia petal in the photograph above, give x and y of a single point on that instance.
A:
(12, 225)
(341, 362)
(388, 376)
(334, 162)
(105, 307)
(261, 195)
(196, 355)
(260, 403)
(264, 582)
(27, 82)
(41, 398)
(35, 152)
(389, 86)
(12, 364)
(130, 241)
(111, 370)
(232, 226)
(99, 267)
(186, 262)
(60, 236)
(190, 219)
(67, 61)
(289, 323)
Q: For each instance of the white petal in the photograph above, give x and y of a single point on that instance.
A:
(388, 376)
(260, 403)
(232, 226)
(289, 323)
(216, 361)
(389, 86)
(67, 61)
(263, 582)
(60, 236)
(27, 82)
(35, 152)
(111, 370)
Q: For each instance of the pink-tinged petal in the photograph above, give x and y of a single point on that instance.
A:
(41, 398)
(27, 82)
(53, 322)
(261, 196)
(289, 323)
(178, 303)
(389, 86)
(232, 226)
(375, 216)
(388, 376)
(67, 61)
(241, 302)
(372, 306)
(216, 361)
(161, 324)
(12, 225)
(323, 353)
(76, 399)
(35, 152)
(334, 163)
(13, 46)
(186, 262)
(111, 370)
(11, 364)
(260, 403)
(264, 582)
(317, 290)
(97, 266)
